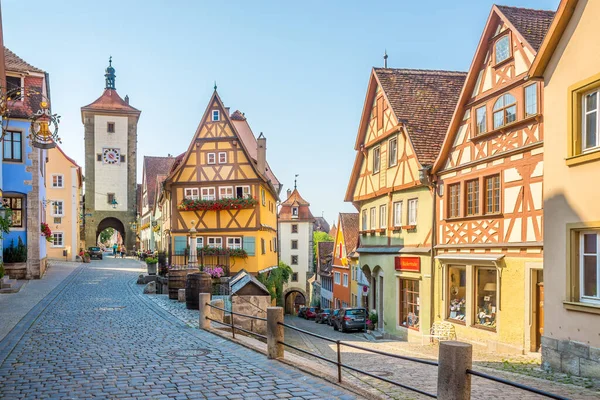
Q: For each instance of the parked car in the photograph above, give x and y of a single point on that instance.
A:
(311, 313)
(333, 316)
(351, 318)
(323, 316)
(301, 311)
(95, 252)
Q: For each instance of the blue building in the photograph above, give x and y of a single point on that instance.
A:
(23, 169)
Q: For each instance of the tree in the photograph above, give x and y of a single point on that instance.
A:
(318, 237)
(275, 279)
(106, 234)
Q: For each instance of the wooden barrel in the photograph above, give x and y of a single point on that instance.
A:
(200, 282)
(177, 281)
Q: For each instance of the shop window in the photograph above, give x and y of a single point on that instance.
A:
(457, 293)
(485, 295)
(409, 303)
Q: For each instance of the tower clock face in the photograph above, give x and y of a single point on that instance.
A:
(111, 156)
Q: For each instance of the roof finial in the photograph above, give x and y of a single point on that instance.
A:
(296, 181)
(385, 57)
(215, 85)
(110, 75)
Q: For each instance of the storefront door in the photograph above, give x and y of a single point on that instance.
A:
(540, 315)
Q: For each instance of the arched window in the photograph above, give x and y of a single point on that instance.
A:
(505, 110)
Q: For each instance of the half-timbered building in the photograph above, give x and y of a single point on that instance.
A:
(489, 187)
(405, 117)
(223, 187)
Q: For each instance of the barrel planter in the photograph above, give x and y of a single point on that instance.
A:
(177, 281)
(199, 282)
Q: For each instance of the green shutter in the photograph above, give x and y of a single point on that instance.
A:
(249, 244)
(180, 244)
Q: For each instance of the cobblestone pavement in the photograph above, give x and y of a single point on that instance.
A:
(99, 337)
(423, 377)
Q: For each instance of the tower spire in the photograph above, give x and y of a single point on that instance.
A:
(110, 75)
(385, 57)
(296, 181)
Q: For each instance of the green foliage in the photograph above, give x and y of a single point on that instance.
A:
(275, 279)
(5, 223)
(1, 269)
(318, 237)
(216, 251)
(373, 317)
(14, 254)
(106, 234)
(151, 260)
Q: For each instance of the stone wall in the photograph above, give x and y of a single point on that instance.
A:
(575, 358)
(35, 268)
(251, 305)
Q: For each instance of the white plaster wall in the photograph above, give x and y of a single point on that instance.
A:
(304, 237)
(111, 178)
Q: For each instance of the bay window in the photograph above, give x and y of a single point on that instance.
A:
(409, 303)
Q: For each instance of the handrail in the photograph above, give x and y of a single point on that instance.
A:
(306, 332)
(235, 313)
(306, 352)
(383, 353)
(390, 381)
(517, 385)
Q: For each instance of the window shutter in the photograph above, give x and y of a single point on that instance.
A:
(249, 244)
(180, 244)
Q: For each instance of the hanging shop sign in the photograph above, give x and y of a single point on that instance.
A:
(407, 264)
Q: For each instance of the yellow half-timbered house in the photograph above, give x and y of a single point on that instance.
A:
(224, 188)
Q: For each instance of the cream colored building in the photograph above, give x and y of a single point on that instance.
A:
(63, 191)
(569, 63)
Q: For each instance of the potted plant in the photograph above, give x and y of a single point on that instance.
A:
(152, 263)
(46, 232)
(372, 320)
(87, 258)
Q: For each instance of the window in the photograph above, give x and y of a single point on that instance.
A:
(590, 121)
(294, 260)
(13, 146)
(376, 159)
(492, 194)
(398, 213)
(222, 157)
(216, 115)
(234, 242)
(472, 188)
(215, 242)
(531, 100)
(242, 192)
(383, 216)
(294, 228)
(15, 83)
(294, 277)
(294, 211)
(98, 157)
(409, 304)
(294, 245)
(57, 208)
(263, 247)
(57, 239)
(412, 212)
(364, 220)
(392, 152)
(226, 192)
(589, 267)
(263, 197)
(110, 197)
(502, 49)
(373, 221)
(481, 114)
(485, 295)
(505, 110)
(16, 206)
(208, 193)
(346, 280)
(457, 293)
(199, 242)
(57, 181)
(336, 278)
(191, 193)
(122, 158)
(454, 200)
(110, 127)
(211, 158)
(57, 220)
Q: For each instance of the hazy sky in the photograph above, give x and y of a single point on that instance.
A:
(298, 70)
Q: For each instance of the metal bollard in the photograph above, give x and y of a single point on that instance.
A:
(274, 332)
(453, 381)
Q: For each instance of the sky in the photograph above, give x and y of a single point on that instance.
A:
(298, 70)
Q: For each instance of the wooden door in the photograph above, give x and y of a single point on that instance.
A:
(539, 313)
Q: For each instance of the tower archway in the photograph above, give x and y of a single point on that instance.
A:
(111, 222)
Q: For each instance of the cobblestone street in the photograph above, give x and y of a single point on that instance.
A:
(99, 337)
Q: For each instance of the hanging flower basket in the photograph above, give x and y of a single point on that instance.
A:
(216, 205)
(218, 251)
(46, 232)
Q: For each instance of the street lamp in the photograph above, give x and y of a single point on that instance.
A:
(114, 203)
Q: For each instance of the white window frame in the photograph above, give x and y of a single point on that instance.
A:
(585, 112)
(507, 37)
(527, 103)
(211, 158)
(383, 216)
(199, 242)
(345, 282)
(231, 242)
(224, 155)
(225, 195)
(582, 297)
(480, 127)
(294, 211)
(62, 181)
(337, 278)
(246, 192)
(373, 218)
(215, 115)
(217, 242)
(412, 203)
(191, 193)
(365, 220)
(206, 193)
(55, 208)
(392, 161)
(376, 159)
(398, 213)
(62, 237)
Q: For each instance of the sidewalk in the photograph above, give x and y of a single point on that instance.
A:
(14, 306)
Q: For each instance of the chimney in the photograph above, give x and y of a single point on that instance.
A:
(127, 99)
(261, 151)
(227, 111)
(289, 193)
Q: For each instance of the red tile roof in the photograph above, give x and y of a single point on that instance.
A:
(349, 227)
(295, 200)
(110, 101)
(14, 63)
(155, 167)
(325, 250)
(424, 101)
(532, 24)
(238, 116)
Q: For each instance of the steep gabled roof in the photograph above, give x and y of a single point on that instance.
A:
(154, 167)
(349, 227)
(321, 224)
(531, 24)
(79, 175)
(14, 63)
(295, 198)
(325, 250)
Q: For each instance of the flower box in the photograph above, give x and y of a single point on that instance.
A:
(409, 227)
(216, 205)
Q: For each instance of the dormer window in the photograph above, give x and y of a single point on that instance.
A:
(502, 49)
(216, 115)
(15, 83)
(505, 110)
(295, 212)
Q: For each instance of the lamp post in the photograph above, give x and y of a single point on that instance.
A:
(114, 204)
(193, 260)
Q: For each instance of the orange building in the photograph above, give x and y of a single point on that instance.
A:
(346, 241)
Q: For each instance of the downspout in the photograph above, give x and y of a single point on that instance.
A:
(433, 185)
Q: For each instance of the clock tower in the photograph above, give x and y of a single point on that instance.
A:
(110, 126)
